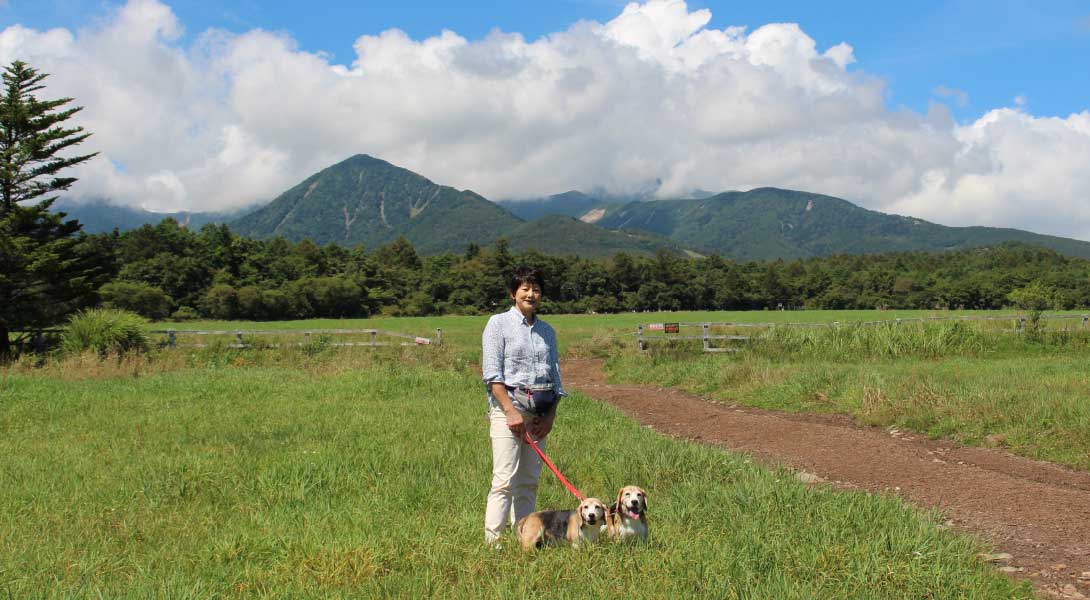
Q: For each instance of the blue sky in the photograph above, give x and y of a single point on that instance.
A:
(983, 53)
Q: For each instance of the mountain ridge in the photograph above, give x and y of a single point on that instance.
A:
(366, 200)
(769, 223)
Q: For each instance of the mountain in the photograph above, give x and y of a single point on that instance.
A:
(98, 216)
(770, 223)
(572, 204)
(559, 234)
(364, 200)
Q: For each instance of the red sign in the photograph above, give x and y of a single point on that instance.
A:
(672, 327)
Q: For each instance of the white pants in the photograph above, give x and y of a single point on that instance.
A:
(515, 472)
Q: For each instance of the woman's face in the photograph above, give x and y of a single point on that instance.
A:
(527, 297)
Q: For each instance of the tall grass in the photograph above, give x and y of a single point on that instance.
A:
(352, 479)
(887, 340)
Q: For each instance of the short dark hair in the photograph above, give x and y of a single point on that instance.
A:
(523, 274)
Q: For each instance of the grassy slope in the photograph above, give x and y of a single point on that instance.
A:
(366, 477)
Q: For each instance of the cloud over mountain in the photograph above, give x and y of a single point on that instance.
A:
(654, 94)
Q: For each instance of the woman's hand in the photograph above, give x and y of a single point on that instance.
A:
(541, 427)
(515, 422)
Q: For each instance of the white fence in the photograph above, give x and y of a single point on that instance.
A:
(373, 337)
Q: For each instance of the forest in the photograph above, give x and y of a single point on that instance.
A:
(167, 271)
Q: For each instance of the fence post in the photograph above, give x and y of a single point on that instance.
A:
(1021, 323)
(1086, 320)
(374, 337)
(238, 336)
(707, 342)
(170, 338)
(306, 338)
(639, 337)
(438, 336)
(898, 321)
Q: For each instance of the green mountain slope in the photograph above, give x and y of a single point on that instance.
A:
(770, 223)
(101, 217)
(370, 201)
(558, 234)
(572, 204)
(364, 200)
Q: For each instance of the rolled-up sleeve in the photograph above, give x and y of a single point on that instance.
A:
(492, 346)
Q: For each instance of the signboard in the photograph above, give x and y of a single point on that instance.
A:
(422, 341)
(672, 327)
(655, 327)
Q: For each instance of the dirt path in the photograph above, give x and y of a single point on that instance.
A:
(1037, 512)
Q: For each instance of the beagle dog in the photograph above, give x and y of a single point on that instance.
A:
(562, 526)
(627, 518)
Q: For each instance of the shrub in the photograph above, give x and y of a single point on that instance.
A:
(219, 302)
(140, 298)
(185, 313)
(106, 331)
(1035, 299)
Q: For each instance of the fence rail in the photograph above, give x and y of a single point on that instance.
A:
(675, 334)
(35, 338)
(672, 331)
(375, 334)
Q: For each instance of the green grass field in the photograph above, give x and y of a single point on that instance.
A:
(355, 473)
(577, 331)
(980, 385)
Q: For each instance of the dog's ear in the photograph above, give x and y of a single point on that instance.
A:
(620, 498)
(642, 491)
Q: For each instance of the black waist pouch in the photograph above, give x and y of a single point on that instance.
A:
(536, 399)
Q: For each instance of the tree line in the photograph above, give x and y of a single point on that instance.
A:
(168, 271)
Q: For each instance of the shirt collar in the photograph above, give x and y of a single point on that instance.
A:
(522, 317)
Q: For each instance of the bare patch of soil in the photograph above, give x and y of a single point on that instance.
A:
(1037, 512)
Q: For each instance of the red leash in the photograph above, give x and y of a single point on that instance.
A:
(552, 467)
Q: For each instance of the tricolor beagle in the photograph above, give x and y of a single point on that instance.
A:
(563, 526)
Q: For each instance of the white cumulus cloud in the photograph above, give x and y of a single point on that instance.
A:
(654, 97)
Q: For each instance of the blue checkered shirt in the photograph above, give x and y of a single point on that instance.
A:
(519, 354)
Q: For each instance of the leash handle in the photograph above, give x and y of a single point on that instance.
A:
(552, 467)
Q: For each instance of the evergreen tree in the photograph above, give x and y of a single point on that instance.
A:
(47, 269)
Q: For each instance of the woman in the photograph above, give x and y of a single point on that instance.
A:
(522, 378)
